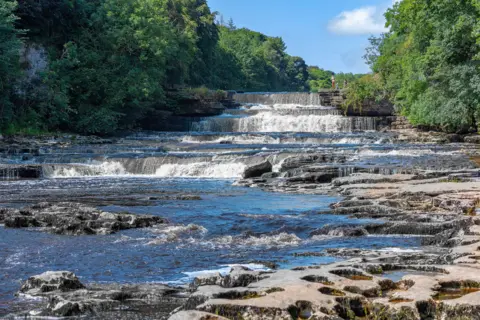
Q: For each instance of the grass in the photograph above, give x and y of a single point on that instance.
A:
(14, 129)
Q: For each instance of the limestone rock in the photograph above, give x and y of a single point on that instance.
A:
(69, 218)
(257, 170)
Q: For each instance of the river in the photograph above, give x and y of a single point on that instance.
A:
(188, 178)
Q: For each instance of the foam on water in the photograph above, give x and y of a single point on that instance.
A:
(102, 169)
(202, 170)
(172, 233)
(267, 240)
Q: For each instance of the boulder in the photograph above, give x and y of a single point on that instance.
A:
(257, 170)
(51, 281)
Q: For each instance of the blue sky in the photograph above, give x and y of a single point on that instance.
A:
(331, 34)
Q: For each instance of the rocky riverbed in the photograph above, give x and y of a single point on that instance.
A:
(336, 224)
(441, 281)
(426, 284)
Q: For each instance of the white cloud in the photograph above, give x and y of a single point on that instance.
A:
(365, 20)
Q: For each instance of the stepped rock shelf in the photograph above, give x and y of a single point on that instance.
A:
(279, 208)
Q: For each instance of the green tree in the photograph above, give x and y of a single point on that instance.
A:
(9, 61)
(114, 63)
(114, 72)
(297, 74)
(319, 78)
(428, 62)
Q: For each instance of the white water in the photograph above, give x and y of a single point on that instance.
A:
(403, 152)
(202, 170)
(193, 169)
(290, 98)
(268, 241)
(102, 169)
(271, 121)
(284, 139)
(278, 106)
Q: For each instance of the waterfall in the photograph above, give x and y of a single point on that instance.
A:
(106, 168)
(214, 166)
(292, 123)
(272, 121)
(295, 98)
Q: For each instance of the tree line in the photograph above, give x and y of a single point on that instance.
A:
(111, 62)
(428, 64)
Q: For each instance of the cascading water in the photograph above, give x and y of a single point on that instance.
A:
(289, 99)
(284, 112)
(265, 126)
(272, 122)
(160, 167)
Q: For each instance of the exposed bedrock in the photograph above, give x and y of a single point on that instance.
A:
(308, 159)
(340, 291)
(63, 295)
(69, 218)
(440, 281)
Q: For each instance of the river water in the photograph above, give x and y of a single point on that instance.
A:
(218, 224)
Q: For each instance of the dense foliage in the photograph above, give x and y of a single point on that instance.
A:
(112, 63)
(363, 90)
(255, 62)
(9, 60)
(322, 79)
(429, 62)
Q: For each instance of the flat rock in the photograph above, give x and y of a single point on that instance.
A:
(63, 295)
(69, 218)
